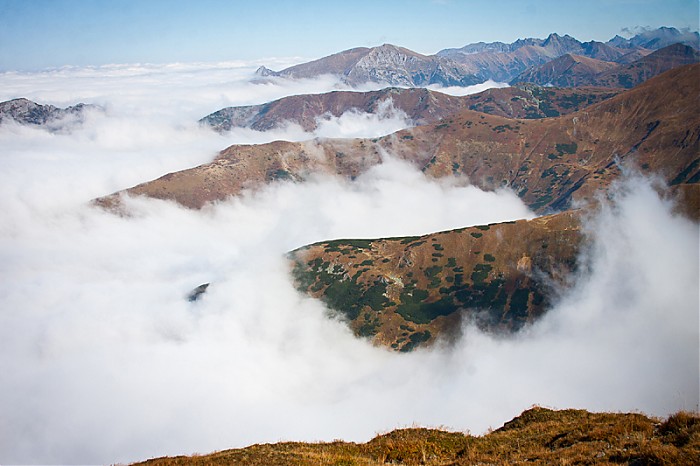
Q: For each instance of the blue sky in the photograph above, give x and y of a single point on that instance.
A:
(37, 34)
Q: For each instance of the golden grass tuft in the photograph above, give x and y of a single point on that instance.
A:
(537, 436)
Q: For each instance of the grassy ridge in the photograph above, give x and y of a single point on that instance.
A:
(538, 436)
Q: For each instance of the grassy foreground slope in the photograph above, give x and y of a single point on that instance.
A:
(537, 436)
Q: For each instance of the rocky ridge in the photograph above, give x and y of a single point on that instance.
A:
(420, 105)
(574, 70)
(26, 112)
(404, 292)
(549, 162)
(474, 63)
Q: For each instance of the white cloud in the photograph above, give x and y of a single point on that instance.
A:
(468, 90)
(105, 360)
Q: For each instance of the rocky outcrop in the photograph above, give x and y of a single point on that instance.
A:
(387, 64)
(26, 112)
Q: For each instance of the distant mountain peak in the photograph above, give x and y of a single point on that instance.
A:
(27, 112)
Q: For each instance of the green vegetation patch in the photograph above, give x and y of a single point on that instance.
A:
(570, 148)
(480, 273)
(414, 340)
(341, 293)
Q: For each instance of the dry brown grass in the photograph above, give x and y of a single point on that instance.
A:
(538, 436)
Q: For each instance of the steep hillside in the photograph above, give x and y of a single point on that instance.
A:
(548, 162)
(538, 436)
(421, 106)
(403, 292)
(566, 71)
(637, 72)
(530, 101)
(573, 70)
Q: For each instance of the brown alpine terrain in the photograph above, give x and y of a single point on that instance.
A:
(566, 71)
(537, 436)
(548, 162)
(402, 292)
(574, 70)
(421, 106)
(530, 101)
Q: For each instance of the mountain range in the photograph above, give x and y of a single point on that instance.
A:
(421, 106)
(571, 70)
(405, 292)
(555, 147)
(476, 63)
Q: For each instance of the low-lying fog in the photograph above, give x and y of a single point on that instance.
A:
(104, 360)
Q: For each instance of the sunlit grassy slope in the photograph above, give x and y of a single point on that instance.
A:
(537, 436)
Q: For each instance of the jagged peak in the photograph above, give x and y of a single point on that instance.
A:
(264, 71)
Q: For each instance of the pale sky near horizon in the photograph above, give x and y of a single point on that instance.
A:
(38, 34)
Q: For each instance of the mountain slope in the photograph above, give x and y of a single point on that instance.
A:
(420, 105)
(548, 162)
(658, 62)
(565, 71)
(396, 66)
(403, 292)
(538, 436)
(530, 101)
(572, 70)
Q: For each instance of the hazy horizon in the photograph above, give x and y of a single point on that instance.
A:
(45, 34)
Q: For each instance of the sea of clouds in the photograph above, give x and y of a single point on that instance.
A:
(103, 358)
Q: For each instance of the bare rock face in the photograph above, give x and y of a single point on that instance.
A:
(387, 64)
